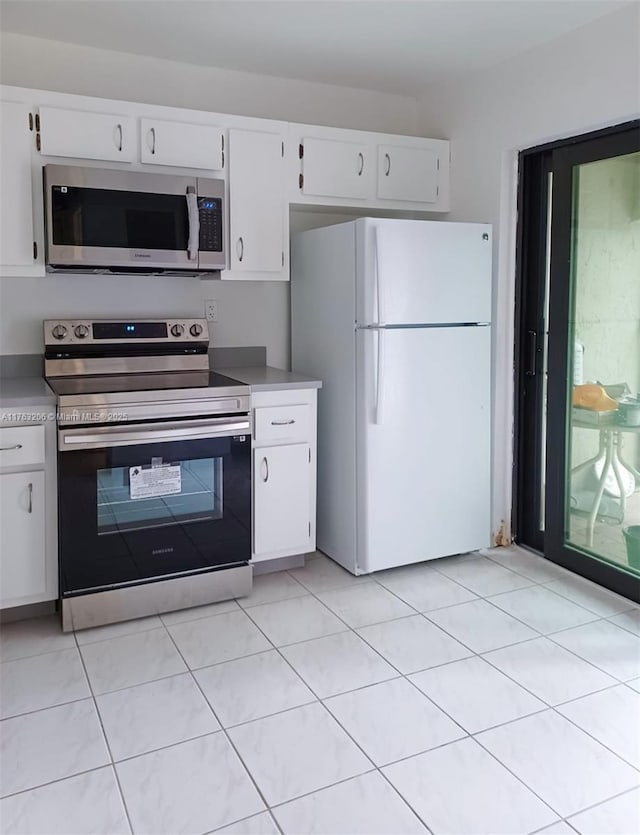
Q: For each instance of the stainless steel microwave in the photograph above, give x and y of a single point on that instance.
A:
(113, 221)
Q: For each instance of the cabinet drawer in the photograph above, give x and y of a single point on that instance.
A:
(286, 424)
(21, 445)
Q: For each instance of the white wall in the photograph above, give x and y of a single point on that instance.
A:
(585, 80)
(250, 313)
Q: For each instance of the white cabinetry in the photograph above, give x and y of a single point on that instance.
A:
(332, 168)
(181, 144)
(19, 254)
(360, 169)
(406, 173)
(28, 564)
(281, 521)
(22, 555)
(284, 473)
(258, 211)
(82, 134)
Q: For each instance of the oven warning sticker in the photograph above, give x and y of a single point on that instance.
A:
(150, 482)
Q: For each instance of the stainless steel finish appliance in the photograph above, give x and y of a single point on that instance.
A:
(154, 469)
(113, 221)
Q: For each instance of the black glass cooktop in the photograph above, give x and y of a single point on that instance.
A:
(166, 381)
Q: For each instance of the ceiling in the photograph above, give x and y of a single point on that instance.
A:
(393, 46)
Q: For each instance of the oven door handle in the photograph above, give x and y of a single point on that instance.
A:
(146, 433)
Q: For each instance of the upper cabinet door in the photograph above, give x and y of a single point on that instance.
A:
(335, 168)
(406, 173)
(256, 201)
(181, 144)
(16, 216)
(82, 135)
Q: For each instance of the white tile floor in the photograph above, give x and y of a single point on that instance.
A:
(478, 694)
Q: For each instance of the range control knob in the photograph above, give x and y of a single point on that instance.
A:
(195, 329)
(177, 330)
(81, 331)
(59, 332)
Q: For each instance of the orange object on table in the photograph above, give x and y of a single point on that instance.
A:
(594, 397)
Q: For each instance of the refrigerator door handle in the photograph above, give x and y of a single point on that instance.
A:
(379, 285)
(380, 333)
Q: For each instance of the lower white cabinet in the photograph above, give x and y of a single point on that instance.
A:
(284, 473)
(28, 529)
(23, 569)
(281, 493)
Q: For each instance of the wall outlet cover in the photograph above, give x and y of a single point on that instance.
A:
(211, 310)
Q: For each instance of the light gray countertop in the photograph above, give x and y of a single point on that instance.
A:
(266, 378)
(23, 392)
(28, 392)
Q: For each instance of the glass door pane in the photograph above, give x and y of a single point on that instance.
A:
(602, 495)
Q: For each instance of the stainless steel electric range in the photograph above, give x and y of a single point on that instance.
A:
(154, 469)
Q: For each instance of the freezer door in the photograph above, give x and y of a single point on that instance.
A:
(423, 272)
(423, 444)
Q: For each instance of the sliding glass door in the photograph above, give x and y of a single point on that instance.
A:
(578, 452)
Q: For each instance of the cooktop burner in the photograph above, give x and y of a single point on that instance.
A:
(114, 383)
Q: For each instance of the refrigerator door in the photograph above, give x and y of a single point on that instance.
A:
(423, 444)
(422, 272)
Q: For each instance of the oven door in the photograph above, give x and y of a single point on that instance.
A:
(142, 502)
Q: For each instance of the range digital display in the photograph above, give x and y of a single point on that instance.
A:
(129, 330)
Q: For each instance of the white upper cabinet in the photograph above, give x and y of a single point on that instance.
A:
(86, 135)
(181, 144)
(406, 173)
(334, 168)
(18, 253)
(258, 211)
(359, 169)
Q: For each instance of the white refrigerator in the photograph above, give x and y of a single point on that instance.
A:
(394, 317)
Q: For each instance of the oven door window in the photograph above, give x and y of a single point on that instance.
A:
(188, 510)
(156, 494)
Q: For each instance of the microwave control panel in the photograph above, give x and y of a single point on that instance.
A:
(210, 214)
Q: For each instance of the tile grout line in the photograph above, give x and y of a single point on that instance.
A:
(320, 701)
(475, 654)
(104, 734)
(352, 629)
(227, 737)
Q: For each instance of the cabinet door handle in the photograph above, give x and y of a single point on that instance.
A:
(119, 135)
(152, 136)
(283, 422)
(30, 497)
(388, 160)
(361, 161)
(266, 469)
(240, 249)
(8, 448)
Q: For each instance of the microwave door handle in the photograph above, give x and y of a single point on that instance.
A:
(193, 244)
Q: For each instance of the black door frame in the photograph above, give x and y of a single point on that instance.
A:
(559, 159)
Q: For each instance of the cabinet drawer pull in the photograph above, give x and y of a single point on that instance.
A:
(388, 161)
(152, 135)
(266, 469)
(119, 134)
(7, 448)
(30, 497)
(240, 249)
(361, 161)
(282, 422)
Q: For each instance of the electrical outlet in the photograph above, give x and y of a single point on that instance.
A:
(211, 310)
